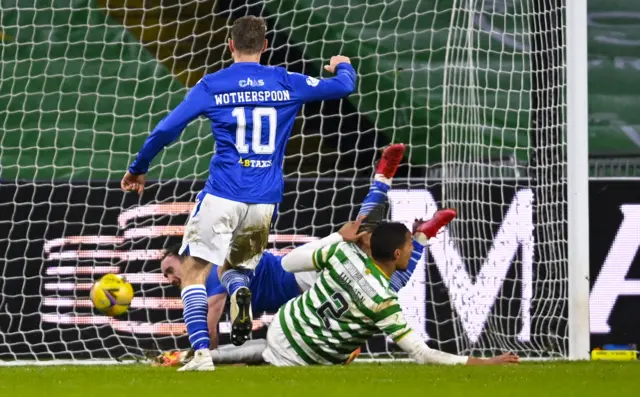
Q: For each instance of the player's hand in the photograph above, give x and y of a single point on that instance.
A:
(335, 61)
(349, 231)
(505, 358)
(132, 183)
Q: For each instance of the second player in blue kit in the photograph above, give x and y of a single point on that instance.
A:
(252, 109)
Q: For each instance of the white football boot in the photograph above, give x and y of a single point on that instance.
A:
(201, 361)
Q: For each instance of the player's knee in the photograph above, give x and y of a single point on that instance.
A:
(242, 262)
(246, 248)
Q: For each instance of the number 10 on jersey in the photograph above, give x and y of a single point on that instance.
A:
(257, 116)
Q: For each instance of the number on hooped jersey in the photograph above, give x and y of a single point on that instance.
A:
(335, 307)
(257, 115)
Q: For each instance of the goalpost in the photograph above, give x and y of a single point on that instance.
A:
(578, 179)
(489, 95)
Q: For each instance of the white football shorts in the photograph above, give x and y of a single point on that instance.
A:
(220, 229)
(279, 351)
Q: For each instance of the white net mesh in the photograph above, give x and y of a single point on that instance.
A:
(505, 266)
(83, 82)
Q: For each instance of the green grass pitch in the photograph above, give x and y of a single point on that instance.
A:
(391, 380)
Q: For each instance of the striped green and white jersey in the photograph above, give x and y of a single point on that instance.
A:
(351, 300)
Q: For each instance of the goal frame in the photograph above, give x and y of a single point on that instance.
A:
(578, 178)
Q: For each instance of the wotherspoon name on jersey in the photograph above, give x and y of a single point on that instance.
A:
(252, 96)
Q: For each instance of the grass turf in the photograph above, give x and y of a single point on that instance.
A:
(392, 380)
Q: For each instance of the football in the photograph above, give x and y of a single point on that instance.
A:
(111, 294)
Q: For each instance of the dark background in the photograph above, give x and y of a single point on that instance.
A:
(605, 218)
(32, 213)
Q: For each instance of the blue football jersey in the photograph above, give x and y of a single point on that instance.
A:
(271, 286)
(252, 109)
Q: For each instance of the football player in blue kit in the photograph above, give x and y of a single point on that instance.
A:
(272, 286)
(252, 109)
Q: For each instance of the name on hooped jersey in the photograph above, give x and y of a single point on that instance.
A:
(252, 96)
(355, 294)
(359, 279)
(255, 163)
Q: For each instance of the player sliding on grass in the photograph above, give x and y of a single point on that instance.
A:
(251, 353)
(351, 301)
(272, 286)
(252, 109)
(270, 277)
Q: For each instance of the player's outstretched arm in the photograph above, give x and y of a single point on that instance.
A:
(215, 308)
(309, 89)
(423, 354)
(303, 258)
(391, 321)
(422, 231)
(167, 130)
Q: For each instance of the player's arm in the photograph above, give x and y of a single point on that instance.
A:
(302, 259)
(167, 130)
(216, 298)
(311, 89)
(422, 232)
(312, 255)
(215, 309)
(390, 320)
(423, 354)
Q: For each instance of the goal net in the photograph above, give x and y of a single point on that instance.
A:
(474, 88)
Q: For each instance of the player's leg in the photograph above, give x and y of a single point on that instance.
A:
(206, 239)
(249, 353)
(247, 245)
(194, 300)
(423, 231)
(236, 282)
(374, 203)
